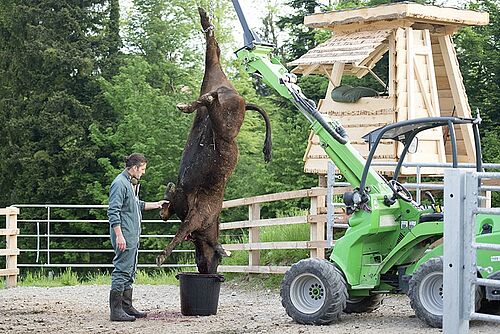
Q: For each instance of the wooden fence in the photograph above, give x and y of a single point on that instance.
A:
(11, 251)
(316, 218)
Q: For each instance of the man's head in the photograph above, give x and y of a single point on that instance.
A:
(136, 165)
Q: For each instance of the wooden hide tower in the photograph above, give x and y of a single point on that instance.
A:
(424, 79)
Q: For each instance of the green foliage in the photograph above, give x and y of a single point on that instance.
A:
(49, 56)
(302, 38)
(478, 50)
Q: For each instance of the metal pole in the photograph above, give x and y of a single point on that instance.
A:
(37, 242)
(48, 235)
(454, 321)
(419, 182)
(330, 208)
(470, 268)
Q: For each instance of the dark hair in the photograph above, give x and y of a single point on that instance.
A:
(135, 159)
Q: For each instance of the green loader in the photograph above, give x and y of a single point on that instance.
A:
(393, 244)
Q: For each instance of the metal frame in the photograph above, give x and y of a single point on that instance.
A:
(418, 187)
(462, 200)
(387, 132)
(48, 235)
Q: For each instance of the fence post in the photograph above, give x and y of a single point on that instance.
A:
(11, 252)
(317, 229)
(455, 319)
(253, 235)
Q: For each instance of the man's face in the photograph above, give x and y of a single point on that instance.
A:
(138, 171)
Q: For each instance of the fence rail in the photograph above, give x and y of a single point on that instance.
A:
(323, 217)
(46, 238)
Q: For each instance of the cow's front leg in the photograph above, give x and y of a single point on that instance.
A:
(182, 233)
(204, 100)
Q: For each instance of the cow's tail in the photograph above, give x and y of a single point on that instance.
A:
(267, 142)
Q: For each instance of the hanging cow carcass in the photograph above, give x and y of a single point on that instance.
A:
(209, 158)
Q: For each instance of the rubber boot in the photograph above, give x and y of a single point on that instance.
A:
(116, 309)
(127, 305)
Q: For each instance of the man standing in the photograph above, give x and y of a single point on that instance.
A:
(125, 214)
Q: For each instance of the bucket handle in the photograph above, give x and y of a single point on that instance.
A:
(219, 277)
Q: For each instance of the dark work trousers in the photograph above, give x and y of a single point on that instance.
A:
(125, 264)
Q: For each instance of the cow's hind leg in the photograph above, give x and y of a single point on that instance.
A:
(204, 100)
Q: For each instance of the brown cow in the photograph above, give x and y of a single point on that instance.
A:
(209, 158)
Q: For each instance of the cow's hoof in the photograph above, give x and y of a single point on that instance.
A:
(169, 191)
(159, 260)
(184, 108)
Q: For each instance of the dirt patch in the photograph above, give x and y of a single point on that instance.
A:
(84, 309)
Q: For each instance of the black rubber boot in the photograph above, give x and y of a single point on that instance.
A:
(115, 307)
(127, 305)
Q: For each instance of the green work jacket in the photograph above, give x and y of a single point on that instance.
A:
(125, 209)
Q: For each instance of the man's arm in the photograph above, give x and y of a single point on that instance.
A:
(120, 240)
(116, 198)
(154, 205)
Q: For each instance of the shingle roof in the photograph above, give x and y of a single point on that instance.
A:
(344, 47)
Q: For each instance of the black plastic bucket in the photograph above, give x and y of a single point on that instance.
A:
(199, 293)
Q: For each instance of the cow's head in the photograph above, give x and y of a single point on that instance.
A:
(207, 258)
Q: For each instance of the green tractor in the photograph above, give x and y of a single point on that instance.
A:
(392, 244)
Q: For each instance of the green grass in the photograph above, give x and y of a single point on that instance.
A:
(45, 279)
(68, 277)
(276, 257)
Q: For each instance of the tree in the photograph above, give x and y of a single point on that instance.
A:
(302, 38)
(49, 97)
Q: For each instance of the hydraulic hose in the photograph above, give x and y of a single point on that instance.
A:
(339, 133)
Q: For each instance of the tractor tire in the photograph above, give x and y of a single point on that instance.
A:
(426, 292)
(490, 307)
(314, 292)
(363, 304)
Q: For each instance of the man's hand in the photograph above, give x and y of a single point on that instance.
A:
(121, 243)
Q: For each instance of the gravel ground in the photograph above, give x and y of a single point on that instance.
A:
(84, 309)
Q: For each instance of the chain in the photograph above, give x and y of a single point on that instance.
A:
(211, 10)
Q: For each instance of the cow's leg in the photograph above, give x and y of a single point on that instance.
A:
(190, 224)
(204, 100)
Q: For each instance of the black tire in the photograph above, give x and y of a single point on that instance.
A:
(363, 304)
(490, 307)
(426, 292)
(314, 292)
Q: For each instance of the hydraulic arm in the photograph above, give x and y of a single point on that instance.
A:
(258, 59)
